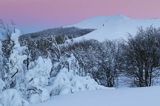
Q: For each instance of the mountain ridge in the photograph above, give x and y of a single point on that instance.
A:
(107, 27)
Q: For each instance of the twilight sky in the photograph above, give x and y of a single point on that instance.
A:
(33, 15)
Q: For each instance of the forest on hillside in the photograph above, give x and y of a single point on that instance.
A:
(36, 68)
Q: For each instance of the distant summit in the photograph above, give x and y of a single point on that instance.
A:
(98, 21)
(113, 27)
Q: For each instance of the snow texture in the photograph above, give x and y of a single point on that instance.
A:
(11, 97)
(40, 73)
(109, 97)
(68, 82)
(2, 85)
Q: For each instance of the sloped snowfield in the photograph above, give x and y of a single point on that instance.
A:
(113, 27)
(109, 97)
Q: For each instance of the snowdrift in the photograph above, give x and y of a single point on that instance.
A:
(109, 97)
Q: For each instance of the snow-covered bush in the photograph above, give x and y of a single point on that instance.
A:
(12, 97)
(37, 79)
(42, 97)
(39, 75)
(68, 82)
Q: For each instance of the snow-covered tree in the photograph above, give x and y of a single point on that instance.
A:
(12, 97)
(37, 79)
(68, 80)
(15, 76)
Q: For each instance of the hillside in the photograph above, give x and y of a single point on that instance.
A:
(68, 33)
(113, 27)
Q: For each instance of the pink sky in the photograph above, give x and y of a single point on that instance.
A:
(34, 14)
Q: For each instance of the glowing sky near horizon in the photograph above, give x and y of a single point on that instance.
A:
(33, 15)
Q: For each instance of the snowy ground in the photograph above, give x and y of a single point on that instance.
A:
(109, 97)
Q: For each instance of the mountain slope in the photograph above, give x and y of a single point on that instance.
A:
(113, 27)
(109, 97)
(60, 34)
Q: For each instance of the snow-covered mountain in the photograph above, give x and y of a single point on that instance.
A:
(37, 67)
(113, 27)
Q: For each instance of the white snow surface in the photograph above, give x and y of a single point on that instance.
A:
(113, 27)
(109, 97)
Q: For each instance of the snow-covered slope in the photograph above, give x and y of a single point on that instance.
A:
(113, 27)
(109, 97)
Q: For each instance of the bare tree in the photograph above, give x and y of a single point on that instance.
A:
(108, 63)
(142, 56)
